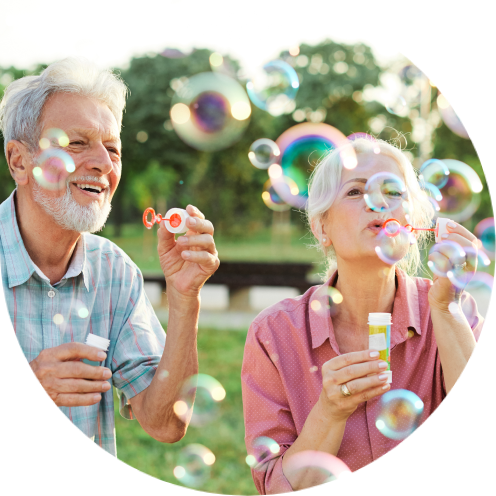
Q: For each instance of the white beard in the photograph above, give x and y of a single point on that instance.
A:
(69, 214)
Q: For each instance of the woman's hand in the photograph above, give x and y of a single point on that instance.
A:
(351, 369)
(191, 259)
(443, 291)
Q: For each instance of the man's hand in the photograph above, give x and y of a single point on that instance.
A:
(191, 259)
(68, 381)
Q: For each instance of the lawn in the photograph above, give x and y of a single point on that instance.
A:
(220, 355)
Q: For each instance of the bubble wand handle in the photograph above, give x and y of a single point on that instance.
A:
(175, 217)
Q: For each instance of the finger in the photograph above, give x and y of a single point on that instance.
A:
(166, 239)
(198, 225)
(460, 230)
(451, 250)
(202, 241)
(208, 262)
(358, 370)
(75, 351)
(80, 386)
(81, 370)
(440, 263)
(347, 359)
(194, 212)
(458, 238)
(368, 394)
(87, 399)
(357, 386)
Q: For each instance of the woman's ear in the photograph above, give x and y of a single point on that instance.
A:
(318, 231)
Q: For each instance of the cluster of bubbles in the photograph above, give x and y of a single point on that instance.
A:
(198, 401)
(53, 164)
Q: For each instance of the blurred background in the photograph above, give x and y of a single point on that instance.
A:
(263, 241)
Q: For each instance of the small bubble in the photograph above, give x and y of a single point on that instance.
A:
(163, 375)
(314, 368)
(58, 319)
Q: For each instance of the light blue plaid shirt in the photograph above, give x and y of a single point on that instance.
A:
(102, 293)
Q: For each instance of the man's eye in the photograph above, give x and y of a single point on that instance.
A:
(76, 143)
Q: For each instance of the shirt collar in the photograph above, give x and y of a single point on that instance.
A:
(20, 267)
(406, 311)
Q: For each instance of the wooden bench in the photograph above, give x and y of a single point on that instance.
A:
(240, 276)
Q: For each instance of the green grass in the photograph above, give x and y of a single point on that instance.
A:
(220, 355)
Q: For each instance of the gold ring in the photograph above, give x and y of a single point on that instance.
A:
(344, 390)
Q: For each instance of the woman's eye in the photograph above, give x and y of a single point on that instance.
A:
(354, 192)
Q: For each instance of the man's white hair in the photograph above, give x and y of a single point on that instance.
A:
(23, 101)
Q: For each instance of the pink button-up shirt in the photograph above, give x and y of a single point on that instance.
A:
(288, 343)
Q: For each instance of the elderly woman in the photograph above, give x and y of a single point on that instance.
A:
(309, 379)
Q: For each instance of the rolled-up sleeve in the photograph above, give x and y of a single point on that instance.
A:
(138, 348)
(266, 411)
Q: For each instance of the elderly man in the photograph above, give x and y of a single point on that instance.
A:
(62, 283)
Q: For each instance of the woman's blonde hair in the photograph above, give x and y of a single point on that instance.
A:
(324, 185)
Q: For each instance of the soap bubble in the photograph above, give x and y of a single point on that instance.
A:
(263, 153)
(460, 277)
(52, 168)
(392, 245)
(204, 406)
(434, 190)
(484, 230)
(327, 299)
(79, 309)
(480, 287)
(54, 138)
(435, 172)
(194, 464)
(58, 319)
(301, 147)
(460, 194)
(210, 111)
(272, 199)
(385, 192)
(400, 413)
(261, 448)
(323, 465)
(396, 104)
(450, 117)
(274, 88)
(444, 255)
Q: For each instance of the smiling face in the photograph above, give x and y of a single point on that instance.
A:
(82, 203)
(350, 224)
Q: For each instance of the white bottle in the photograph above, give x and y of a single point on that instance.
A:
(175, 220)
(441, 228)
(96, 342)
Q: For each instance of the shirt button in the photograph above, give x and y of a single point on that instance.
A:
(51, 293)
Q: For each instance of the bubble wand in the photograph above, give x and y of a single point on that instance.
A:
(392, 230)
(175, 219)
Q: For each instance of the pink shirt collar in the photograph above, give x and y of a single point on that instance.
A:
(406, 312)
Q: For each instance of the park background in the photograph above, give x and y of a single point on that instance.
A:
(159, 170)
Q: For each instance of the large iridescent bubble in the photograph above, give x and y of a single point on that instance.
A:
(52, 167)
(400, 413)
(274, 88)
(210, 111)
(444, 256)
(435, 172)
(461, 193)
(301, 147)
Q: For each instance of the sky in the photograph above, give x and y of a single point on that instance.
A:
(110, 33)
